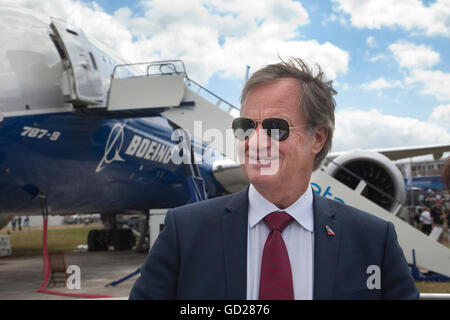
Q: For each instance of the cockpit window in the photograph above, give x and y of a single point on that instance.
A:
(72, 32)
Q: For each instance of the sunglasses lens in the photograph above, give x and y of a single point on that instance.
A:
(243, 128)
(279, 126)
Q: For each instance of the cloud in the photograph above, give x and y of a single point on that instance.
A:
(356, 129)
(441, 116)
(377, 57)
(417, 61)
(333, 18)
(371, 42)
(90, 17)
(216, 36)
(410, 55)
(411, 15)
(433, 82)
(341, 86)
(224, 36)
(379, 84)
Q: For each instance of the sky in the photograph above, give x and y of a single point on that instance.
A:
(389, 60)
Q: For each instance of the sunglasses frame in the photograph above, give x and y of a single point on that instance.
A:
(268, 130)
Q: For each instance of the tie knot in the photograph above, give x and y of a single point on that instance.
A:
(278, 220)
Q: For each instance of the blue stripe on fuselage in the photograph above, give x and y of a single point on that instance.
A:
(82, 165)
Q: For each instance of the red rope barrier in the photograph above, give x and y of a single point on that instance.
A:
(47, 271)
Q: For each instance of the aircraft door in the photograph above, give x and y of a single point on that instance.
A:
(82, 82)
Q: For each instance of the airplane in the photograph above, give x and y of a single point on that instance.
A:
(82, 130)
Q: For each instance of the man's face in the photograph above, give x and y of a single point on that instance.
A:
(292, 164)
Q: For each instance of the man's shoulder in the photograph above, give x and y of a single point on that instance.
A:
(214, 206)
(347, 214)
(359, 229)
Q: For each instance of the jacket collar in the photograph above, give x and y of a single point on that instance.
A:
(234, 232)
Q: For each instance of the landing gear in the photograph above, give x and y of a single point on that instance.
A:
(123, 239)
(98, 240)
(112, 234)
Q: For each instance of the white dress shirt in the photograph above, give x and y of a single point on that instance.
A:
(298, 237)
(425, 217)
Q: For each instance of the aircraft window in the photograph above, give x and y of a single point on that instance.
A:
(72, 32)
(104, 59)
(93, 60)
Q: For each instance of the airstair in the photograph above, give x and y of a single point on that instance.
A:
(163, 87)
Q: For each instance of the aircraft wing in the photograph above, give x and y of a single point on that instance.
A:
(406, 152)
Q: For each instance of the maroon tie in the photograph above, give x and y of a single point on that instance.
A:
(276, 275)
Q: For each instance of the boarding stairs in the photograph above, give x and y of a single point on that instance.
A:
(164, 88)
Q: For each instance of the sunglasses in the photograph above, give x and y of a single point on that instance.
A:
(277, 128)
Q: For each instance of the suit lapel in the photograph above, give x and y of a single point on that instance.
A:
(326, 248)
(234, 235)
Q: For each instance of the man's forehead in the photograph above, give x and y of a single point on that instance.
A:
(264, 111)
(266, 103)
(282, 86)
(276, 93)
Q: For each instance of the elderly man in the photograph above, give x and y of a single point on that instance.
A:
(276, 239)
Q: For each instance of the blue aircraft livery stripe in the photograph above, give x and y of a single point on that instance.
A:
(92, 165)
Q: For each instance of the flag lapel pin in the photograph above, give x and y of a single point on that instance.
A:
(330, 232)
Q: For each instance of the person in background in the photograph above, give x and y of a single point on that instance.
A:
(446, 181)
(411, 217)
(427, 202)
(425, 218)
(421, 198)
(417, 222)
(438, 216)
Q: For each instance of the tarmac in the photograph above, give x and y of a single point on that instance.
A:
(20, 278)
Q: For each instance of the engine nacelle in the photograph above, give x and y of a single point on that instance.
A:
(371, 174)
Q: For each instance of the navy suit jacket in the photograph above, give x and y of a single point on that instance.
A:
(202, 254)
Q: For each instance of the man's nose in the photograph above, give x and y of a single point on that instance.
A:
(259, 139)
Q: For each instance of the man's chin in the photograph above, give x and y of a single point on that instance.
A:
(258, 175)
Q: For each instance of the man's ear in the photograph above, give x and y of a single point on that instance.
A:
(319, 138)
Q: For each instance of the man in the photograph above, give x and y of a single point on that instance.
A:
(438, 216)
(446, 180)
(425, 218)
(276, 239)
(421, 198)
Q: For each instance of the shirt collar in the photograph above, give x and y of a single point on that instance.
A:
(301, 210)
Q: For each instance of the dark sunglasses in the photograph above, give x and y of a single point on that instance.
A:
(244, 128)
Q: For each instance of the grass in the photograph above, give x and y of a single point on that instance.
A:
(433, 287)
(60, 239)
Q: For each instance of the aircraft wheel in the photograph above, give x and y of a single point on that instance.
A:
(97, 241)
(123, 239)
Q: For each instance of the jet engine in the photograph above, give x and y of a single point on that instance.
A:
(372, 175)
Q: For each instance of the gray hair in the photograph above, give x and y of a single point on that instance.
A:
(317, 95)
